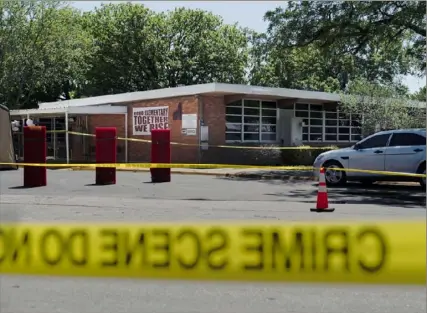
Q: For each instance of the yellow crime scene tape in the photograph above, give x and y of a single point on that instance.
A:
(204, 166)
(366, 253)
(216, 146)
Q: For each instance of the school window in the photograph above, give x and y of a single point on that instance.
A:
(251, 121)
(327, 125)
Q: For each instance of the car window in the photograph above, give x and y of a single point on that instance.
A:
(377, 141)
(407, 139)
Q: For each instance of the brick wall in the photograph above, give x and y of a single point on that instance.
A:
(141, 152)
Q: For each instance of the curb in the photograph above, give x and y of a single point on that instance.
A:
(271, 177)
(227, 175)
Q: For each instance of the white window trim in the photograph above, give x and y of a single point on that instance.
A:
(260, 124)
(324, 126)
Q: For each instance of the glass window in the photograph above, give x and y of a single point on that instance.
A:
(233, 127)
(255, 122)
(268, 112)
(316, 114)
(251, 111)
(251, 119)
(233, 119)
(376, 141)
(269, 120)
(268, 128)
(301, 114)
(251, 137)
(251, 128)
(269, 105)
(233, 136)
(407, 139)
(251, 103)
(316, 107)
(233, 110)
(331, 137)
(336, 125)
(332, 115)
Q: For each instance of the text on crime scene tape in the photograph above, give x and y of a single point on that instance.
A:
(377, 253)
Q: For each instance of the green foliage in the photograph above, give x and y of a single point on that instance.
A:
(136, 49)
(387, 33)
(382, 107)
(42, 47)
(50, 51)
(420, 95)
(296, 68)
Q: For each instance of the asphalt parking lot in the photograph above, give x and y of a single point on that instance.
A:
(71, 196)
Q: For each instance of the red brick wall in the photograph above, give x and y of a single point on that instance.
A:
(214, 118)
(141, 152)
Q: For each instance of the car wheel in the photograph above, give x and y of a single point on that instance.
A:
(422, 170)
(333, 176)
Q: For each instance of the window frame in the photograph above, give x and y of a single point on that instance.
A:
(305, 108)
(258, 124)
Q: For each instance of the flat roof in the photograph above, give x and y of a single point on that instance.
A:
(202, 89)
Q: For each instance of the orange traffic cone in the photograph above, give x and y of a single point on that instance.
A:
(322, 195)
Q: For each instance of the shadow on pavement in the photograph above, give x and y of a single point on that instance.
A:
(388, 195)
(24, 187)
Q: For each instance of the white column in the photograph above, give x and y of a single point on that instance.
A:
(54, 137)
(67, 142)
(126, 136)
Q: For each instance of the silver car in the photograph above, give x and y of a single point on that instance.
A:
(402, 150)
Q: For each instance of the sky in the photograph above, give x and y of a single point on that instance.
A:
(245, 13)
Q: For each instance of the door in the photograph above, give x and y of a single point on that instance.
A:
(405, 152)
(370, 155)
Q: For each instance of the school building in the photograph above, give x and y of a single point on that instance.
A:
(201, 116)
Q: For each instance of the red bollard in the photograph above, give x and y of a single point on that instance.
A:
(35, 149)
(106, 152)
(160, 153)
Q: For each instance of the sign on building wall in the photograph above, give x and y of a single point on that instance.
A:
(147, 119)
(189, 124)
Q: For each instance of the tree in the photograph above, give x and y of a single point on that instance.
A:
(296, 68)
(382, 107)
(383, 38)
(136, 49)
(420, 95)
(125, 53)
(41, 52)
(199, 48)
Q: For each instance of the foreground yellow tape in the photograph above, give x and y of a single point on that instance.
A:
(207, 166)
(373, 253)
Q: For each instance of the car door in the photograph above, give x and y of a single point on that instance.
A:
(405, 152)
(369, 156)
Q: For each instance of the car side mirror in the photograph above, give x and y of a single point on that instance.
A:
(356, 146)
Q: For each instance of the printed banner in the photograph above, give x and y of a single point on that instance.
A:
(147, 119)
